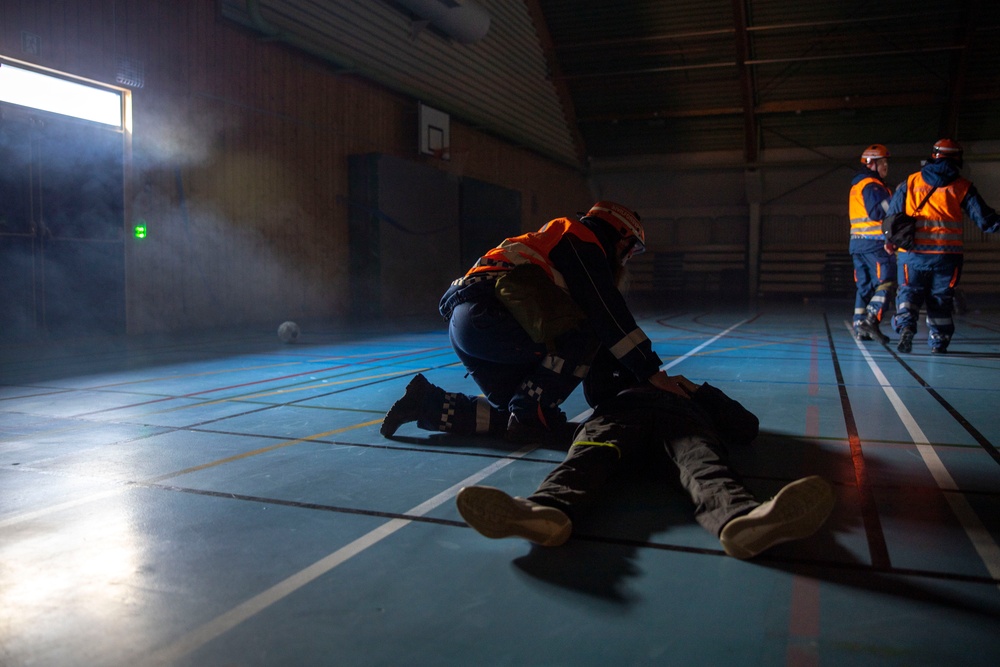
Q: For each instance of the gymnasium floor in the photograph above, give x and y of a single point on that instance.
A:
(228, 500)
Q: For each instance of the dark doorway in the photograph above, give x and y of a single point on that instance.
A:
(415, 228)
(62, 259)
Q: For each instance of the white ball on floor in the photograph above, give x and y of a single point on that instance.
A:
(288, 332)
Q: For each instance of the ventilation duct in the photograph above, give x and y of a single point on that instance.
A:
(464, 22)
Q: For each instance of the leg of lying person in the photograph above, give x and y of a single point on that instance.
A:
(724, 507)
(544, 517)
(704, 472)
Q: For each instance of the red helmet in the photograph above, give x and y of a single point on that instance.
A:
(948, 148)
(874, 152)
(623, 219)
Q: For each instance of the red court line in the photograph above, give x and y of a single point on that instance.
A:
(804, 608)
(803, 624)
(814, 368)
(877, 548)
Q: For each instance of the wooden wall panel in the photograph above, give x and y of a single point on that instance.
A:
(240, 153)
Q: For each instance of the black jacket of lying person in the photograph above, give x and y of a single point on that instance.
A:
(636, 424)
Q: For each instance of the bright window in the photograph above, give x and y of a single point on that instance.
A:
(28, 88)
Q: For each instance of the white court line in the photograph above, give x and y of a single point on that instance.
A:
(698, 349)
(227, 621)
(665, 367)
(69, 504)
(981, 539)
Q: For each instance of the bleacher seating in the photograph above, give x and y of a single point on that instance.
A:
(821, 270)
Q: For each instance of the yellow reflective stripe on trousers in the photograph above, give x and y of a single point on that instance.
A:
(598, 444)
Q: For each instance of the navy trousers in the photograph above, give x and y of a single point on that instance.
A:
(515, 373)
(928, 279)
(874, 277)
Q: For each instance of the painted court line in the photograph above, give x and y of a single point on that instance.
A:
(586, 413)
(708, 342)
(69, 504)
(320, 385)
(982, 541)
(225, 622)
(51, 509)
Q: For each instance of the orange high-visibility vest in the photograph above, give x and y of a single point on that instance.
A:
(939, 221)
(863, 227)
(534, 247)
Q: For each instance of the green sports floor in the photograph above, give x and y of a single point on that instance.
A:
(227, 500)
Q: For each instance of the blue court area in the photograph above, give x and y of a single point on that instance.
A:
(228, 500)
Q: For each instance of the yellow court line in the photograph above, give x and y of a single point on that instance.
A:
(247, 397)
(201, 635)
(34, 514)
(262, 450)
(198, 404)
(696, 350)
(188, 375)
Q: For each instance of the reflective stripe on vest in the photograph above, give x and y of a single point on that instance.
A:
(939, 223)
(863, 227)
(534, 247)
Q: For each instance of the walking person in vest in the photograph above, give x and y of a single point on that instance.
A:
(527, 319)
(874, 268)
(937, 196)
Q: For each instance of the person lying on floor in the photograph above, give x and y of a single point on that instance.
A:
(434, 409)
(638, 427)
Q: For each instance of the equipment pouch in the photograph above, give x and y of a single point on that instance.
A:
(899, 229)
(541, 308)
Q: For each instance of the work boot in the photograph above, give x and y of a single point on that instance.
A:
(496, 514)
(797, 511)
(858, 334)
(869, 327)
(938, 342)
(406, 409)
(905, 344)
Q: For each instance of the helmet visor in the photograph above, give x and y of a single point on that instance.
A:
(637, 247)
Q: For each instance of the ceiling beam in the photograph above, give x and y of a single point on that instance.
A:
(632, 42)
(728, 64)
(902, 100)
(746, 81)
(656, 115)
(858, 54)
(850, 102)
(555, 76)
